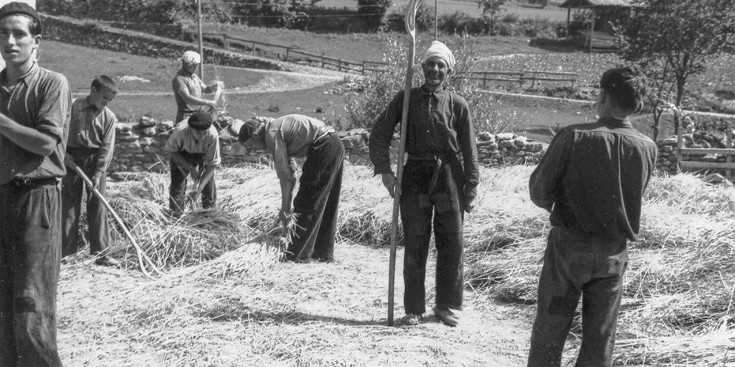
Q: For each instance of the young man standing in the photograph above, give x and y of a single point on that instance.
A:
(317, 201)
(34, 116)
(591, 179)
(194, 151)
(188, 88)
(90, 145)
(436, 188)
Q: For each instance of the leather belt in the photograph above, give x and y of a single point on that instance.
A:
(27, 183)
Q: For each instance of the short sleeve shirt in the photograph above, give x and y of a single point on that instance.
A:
(291, 136)
(193, 84)
(92, 128)
(40, 100)
(183, 140)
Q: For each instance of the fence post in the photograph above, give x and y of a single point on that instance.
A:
(287, 50)
(322, 60)
(679, 145)
(728, 143)
(484, 80)
(252, 51)
(225, 41)
(363, 67)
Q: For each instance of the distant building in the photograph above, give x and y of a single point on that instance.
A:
(605, 13)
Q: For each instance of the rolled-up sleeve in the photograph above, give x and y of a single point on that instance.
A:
(104, 157)
(545, 183)
(175, 142)
(277, 147)
(382, 135)
(212, 154)
(55, 108)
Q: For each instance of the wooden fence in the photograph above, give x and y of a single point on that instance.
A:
(520, 77)
(727, 167)
(288, 53)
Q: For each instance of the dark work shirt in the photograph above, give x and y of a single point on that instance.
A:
(41, 100)
(439, 123)
(592, 178)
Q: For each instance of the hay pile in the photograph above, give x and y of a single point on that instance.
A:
(681, 279)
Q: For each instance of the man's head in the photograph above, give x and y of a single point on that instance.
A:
(621, 88)
(103, 91)
(190, 60)
(251, 134)
(438, 64)
(20, 33)
(199, 123)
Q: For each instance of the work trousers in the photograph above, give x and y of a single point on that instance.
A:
(72, 189)
(440, 206)
(30, 247)
(317, 201)
(177, 191)
(574, 267)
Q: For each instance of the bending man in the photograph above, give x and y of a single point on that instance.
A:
(316, 203)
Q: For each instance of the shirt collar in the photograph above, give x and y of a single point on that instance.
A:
(34, 68)
(615, 122)
(425, 92)
(88, 106)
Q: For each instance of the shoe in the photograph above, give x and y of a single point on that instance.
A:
(105, 260)
(446, 316)
(411, 319)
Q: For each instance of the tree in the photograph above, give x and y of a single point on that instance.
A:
(490, 11)
(372, 12)
(674, 40)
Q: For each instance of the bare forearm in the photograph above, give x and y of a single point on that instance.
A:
(206, 176)
(27, 138)
(287, 188)
(181, 162)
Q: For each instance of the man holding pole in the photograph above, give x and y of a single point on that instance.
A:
(90, 146)
(34, 116)
(188, 88)
(436, 186)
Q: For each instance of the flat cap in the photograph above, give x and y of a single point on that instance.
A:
(17, 7)
(200, 120)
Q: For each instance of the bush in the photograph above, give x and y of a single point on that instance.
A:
(380, 88)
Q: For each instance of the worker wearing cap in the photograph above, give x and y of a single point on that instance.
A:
(436, 187)
(188, 88)
(35, 105)
(316, 203)
(194, 151)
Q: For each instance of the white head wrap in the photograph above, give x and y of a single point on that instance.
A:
(442, 51)
(191, 57)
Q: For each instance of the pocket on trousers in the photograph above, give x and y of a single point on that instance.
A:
(45, 209)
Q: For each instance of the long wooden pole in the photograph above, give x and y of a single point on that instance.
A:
(142, 256)
(410, 22)
(201, 43)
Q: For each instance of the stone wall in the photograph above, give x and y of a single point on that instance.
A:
(139, 147)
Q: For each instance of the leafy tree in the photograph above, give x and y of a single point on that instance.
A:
(372, 11)
(491, 10)
(674, 40)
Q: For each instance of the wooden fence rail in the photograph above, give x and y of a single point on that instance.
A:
(520, 77)
(288, 52)
(727, 166)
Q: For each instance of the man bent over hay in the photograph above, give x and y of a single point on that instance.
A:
(591, 180)
(194, 149)
(436, 188)
(317, 200)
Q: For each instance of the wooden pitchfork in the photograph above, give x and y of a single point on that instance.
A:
(410, 22)
(143, 258)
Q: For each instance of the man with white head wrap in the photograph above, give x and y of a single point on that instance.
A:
(188, 88)
(436, 188)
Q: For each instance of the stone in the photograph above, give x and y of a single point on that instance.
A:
(485, 136)
(505, 136)
(667, 142)
(146, 121)
(148, 131)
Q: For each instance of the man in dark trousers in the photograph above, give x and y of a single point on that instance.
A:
(437, 188)
(316, 203)
(34, 116)
(591, 179)
(194, 149)
(90, 146)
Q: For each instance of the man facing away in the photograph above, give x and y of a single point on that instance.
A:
(188, 88)
(34, 115)
(90, 146)
(316, 203)
(437, 188)
(591, 179)
(195, 152)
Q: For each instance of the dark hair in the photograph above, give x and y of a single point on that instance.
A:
(626, 85)
(104, 81)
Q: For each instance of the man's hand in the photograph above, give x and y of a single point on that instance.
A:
(468, 203)
(283, 217)
(97, 180)
(69, 161)
(391, 183)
